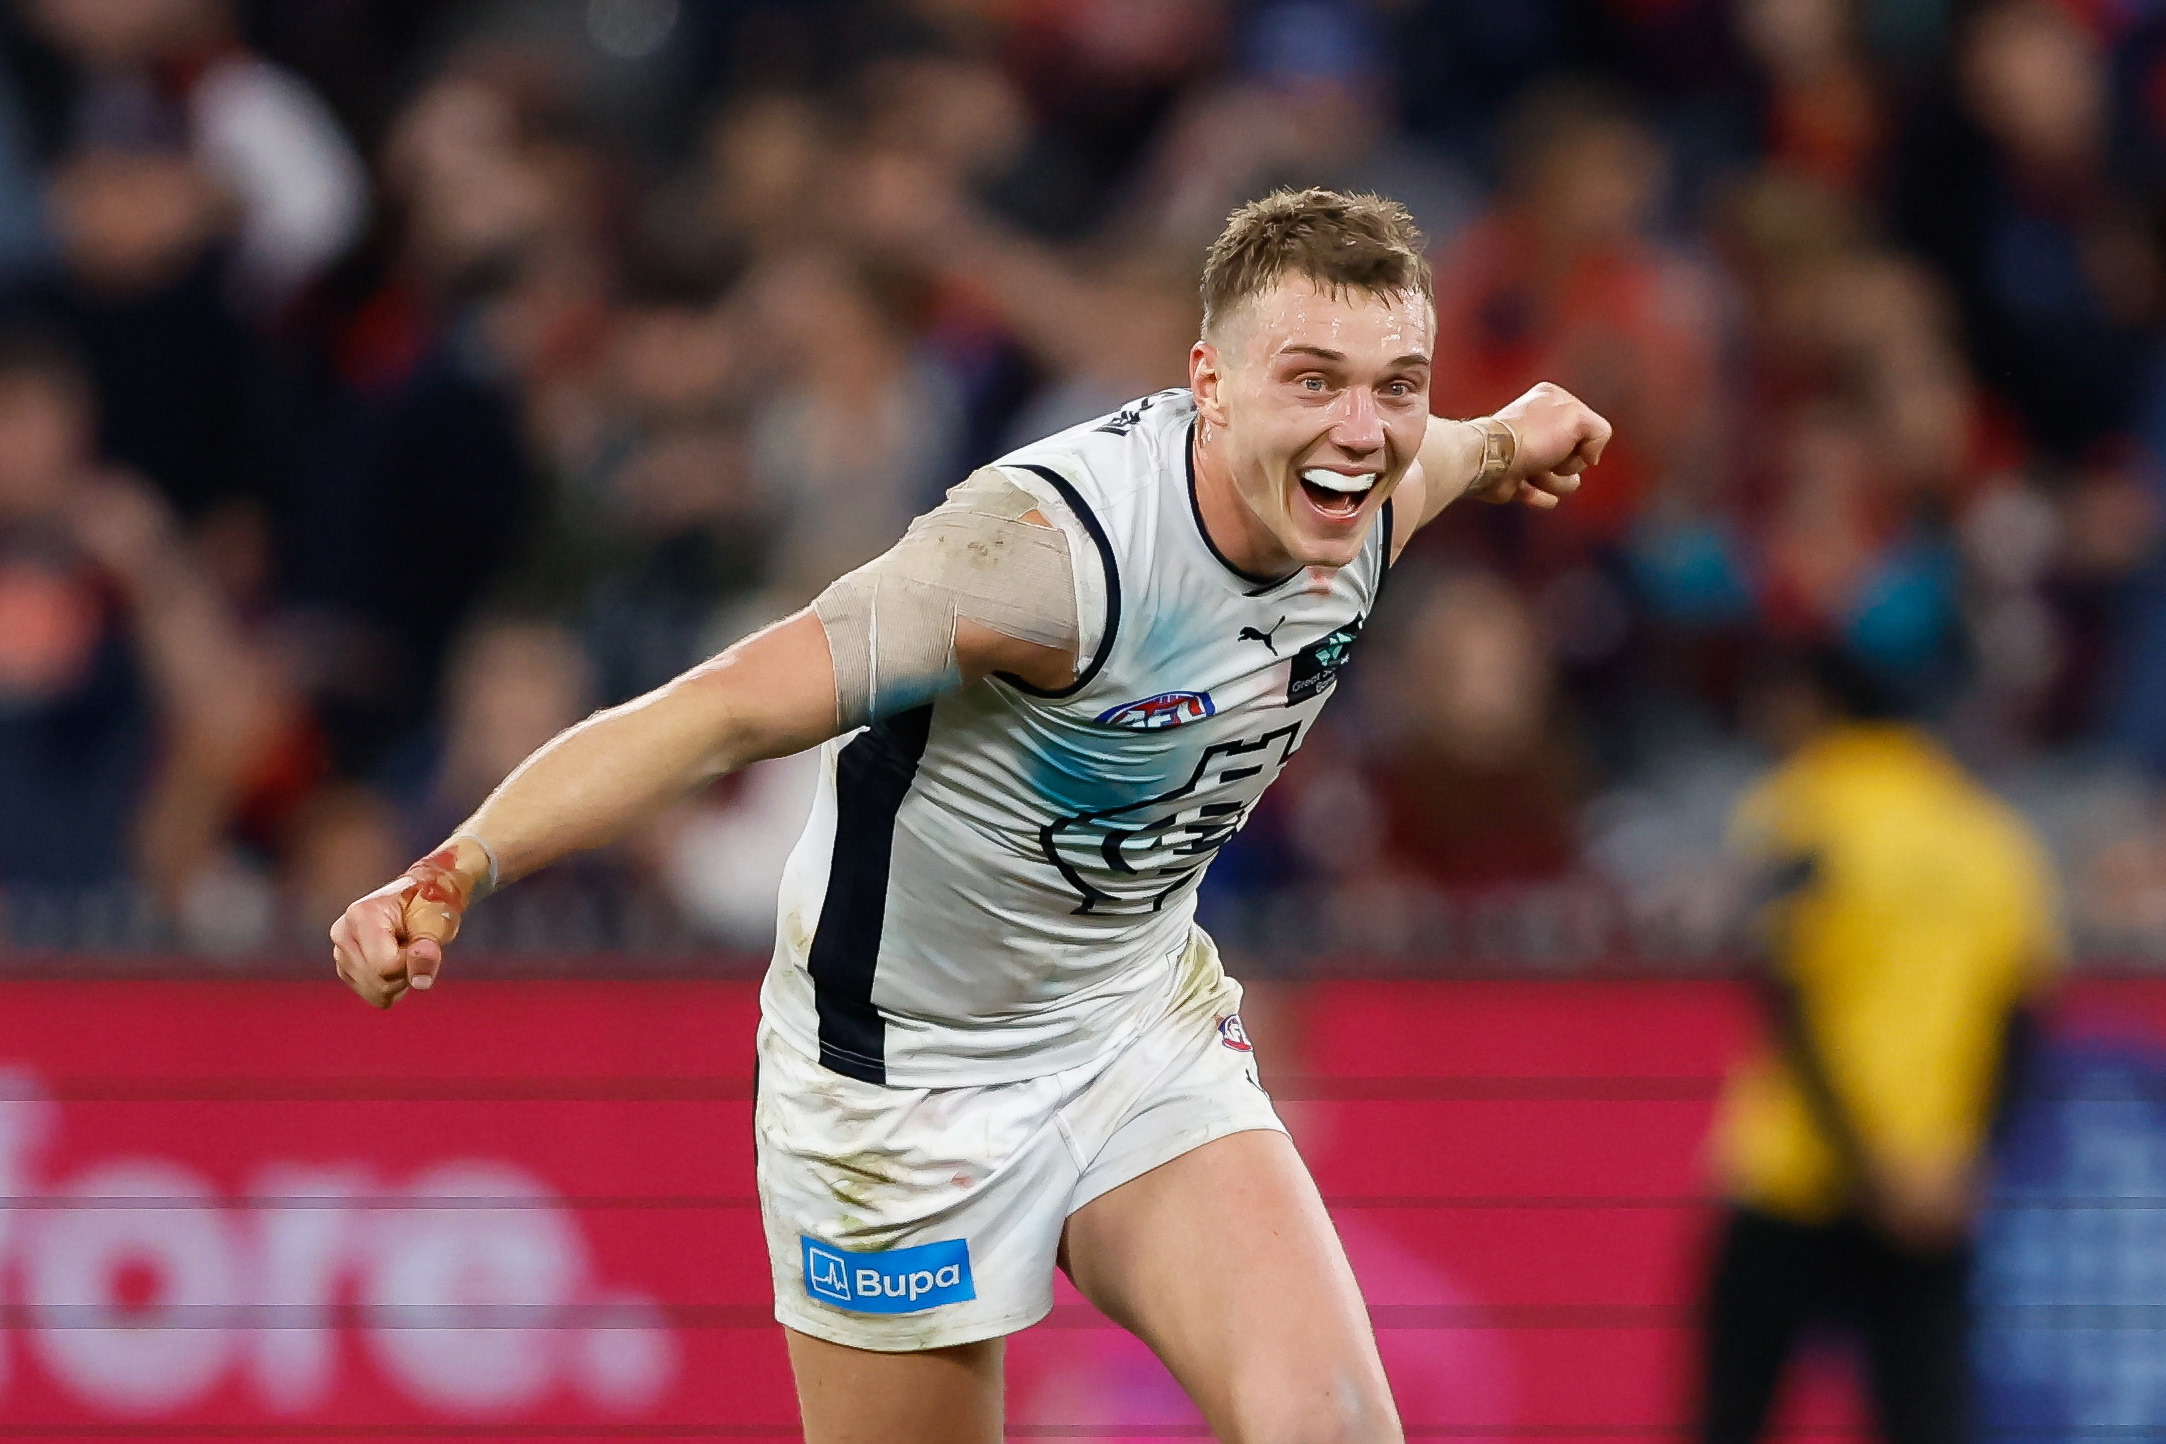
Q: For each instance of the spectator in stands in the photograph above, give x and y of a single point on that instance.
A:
(1475, 777)
(1100, 328)
(1565, 280)
(1908, 920)
(511, 685)
(134, 716)
(270, 146)
(2009, 188)
(764, 174)
(418, 481)
(1308, 104)
(677, 536)
(1842, 556)
(1820, 115)
(861, 430)
(140, 285)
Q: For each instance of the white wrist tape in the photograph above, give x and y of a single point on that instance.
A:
(891, 623)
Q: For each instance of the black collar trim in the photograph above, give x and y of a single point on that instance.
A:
(1091, 524)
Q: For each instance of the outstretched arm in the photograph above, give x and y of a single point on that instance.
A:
(770, 695)
(981, 585)
(1531, 451)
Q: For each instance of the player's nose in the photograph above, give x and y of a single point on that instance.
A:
(1358, 427)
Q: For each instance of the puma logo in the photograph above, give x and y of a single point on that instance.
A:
(1253, 634)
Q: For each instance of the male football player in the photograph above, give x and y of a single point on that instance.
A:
(993, 1041)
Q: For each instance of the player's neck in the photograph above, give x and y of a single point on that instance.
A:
(1229, 522)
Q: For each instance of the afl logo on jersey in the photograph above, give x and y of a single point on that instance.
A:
(1233, 1035)
(1167, 709)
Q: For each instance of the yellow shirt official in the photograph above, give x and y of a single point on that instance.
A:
(1926, 912)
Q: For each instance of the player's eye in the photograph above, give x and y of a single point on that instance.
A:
(1312, 383)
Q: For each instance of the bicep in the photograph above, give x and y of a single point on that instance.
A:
(981, 652)
(770, 695)
(980, 586)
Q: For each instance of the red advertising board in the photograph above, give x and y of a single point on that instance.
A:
(524, 1209)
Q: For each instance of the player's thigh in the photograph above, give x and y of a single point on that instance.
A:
(1226, 1264)
(858, 1396)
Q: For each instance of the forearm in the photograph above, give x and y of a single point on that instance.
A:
(769, 696)
(1451, 458)
(1531, 451)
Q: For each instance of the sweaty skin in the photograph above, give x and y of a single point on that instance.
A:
(1305, 380)
(1302, 380)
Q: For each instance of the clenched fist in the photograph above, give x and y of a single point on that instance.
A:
(1556, 436)
(394, 938)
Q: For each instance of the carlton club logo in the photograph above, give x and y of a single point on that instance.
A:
(1167, 709)
(1129, 860)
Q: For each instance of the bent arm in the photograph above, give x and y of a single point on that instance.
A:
(769, 696)
(1531, 451)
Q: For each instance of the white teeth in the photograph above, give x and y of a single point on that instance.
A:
(1339, 481)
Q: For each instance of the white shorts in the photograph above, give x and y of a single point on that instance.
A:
(916, 1218)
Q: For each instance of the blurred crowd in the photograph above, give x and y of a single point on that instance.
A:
(383, 386)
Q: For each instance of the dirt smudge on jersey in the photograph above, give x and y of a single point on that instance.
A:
(796, 933)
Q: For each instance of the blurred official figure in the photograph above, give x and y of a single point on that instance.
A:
(1908, 919)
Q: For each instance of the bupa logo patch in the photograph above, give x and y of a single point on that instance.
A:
(1167, 709)
(892, 1281)
(1233, 1035)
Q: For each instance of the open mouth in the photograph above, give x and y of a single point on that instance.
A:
(1334, 493)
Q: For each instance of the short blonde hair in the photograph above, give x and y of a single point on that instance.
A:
(1341, 242)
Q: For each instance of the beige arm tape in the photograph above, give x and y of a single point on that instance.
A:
(487, 883)
(891, 623)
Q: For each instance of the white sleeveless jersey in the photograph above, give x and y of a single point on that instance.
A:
(1000, 884)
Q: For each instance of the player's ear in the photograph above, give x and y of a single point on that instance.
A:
(1207, 379)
